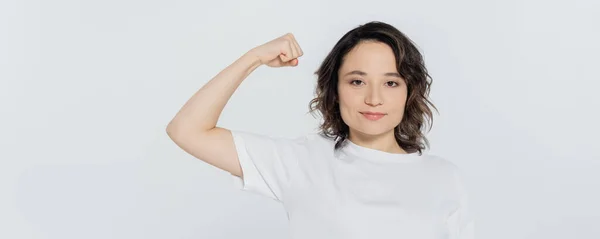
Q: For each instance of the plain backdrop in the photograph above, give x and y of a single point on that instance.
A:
(88, 87)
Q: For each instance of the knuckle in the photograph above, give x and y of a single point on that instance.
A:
(290, 36)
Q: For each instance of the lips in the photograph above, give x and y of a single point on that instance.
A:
(373, 115)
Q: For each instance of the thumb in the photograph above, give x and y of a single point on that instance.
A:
(292, 62)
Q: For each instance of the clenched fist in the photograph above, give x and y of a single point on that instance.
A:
(281, 51)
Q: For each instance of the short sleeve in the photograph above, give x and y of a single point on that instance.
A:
(461, 222)
(268, 163)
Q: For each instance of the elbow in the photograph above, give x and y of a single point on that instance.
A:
(177, 130)
(173, 130)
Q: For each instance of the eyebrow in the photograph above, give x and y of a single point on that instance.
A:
(362, 73)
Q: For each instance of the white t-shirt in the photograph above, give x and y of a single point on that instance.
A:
(355, 192)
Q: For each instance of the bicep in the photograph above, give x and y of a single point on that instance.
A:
(215, 147)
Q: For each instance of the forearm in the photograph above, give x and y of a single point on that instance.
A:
(201, 112)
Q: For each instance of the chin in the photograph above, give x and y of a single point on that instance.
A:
(372, 130)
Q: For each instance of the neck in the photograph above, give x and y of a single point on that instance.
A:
(385, 142)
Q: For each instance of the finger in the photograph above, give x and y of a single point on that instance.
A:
(298, 49)
(285, 56)
(293, 62)
(286, 53)
(293, 49)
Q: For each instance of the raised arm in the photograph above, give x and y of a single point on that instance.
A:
(194, 127)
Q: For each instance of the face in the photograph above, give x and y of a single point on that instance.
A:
(372, 94)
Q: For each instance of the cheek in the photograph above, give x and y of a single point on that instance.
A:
(396, 105)
(396, 99)
(346, 106)
(348, 100)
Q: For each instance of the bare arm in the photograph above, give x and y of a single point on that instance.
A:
(194, 127)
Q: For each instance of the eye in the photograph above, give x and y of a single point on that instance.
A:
(356, 82)
(391, 83)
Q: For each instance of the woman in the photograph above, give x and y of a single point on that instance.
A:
(364, 175)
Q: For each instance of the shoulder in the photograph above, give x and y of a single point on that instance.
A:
(314, 145)
(307, 142)
(442, 163)
(451, 170)
(450, 174)
(316, 140)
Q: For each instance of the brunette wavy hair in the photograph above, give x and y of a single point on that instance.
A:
(410, 65)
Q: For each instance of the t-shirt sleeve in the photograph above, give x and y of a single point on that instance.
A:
(268, 163)
(461, 223)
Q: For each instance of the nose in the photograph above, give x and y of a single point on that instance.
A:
(373, 97)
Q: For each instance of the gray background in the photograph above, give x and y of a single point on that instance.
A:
(88, 87)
